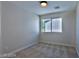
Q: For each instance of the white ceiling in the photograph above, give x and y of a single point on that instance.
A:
(34, 6)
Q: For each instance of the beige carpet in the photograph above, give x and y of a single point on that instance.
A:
(47, 51)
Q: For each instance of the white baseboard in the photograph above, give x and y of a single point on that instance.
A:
(12, 54)
(54, 43)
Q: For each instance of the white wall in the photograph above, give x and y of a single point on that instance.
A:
(67, 37)
(19, 27)
(0, 32)
(77, 29)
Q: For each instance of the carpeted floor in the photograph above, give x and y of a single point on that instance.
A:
(47, 51)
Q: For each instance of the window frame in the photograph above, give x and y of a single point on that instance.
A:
(51, 25)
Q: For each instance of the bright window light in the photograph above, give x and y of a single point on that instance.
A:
(51, 25)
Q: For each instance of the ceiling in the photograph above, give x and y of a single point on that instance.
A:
(34, 6)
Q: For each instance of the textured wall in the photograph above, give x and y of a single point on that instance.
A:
(19, 27)
(67, 36)
(77, 29)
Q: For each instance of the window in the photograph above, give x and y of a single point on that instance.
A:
(51, 25)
